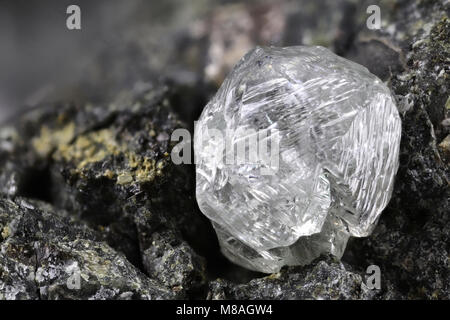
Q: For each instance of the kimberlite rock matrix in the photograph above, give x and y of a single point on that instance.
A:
(88, 189)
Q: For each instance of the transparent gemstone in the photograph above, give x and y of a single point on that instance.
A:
(337, 134)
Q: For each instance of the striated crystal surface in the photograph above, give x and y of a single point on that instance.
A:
(296, 152)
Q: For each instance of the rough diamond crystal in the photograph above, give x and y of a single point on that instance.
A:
(337, 152)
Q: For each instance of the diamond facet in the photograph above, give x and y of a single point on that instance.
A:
(336, 154)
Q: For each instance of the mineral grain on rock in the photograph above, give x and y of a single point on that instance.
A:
(339, 136)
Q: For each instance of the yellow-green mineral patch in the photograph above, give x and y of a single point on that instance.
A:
(6, 232)
(124, 178)
(88, 148)
(50, 139)
(95, 146)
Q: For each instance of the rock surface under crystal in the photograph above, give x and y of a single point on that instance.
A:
(338, 152)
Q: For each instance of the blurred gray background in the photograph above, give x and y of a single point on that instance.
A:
(124, 44)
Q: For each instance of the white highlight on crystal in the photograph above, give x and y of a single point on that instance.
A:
(241, 147)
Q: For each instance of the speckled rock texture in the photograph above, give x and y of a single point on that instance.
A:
(88, 189)
(324, 279)
(43, 251)
(109, 168)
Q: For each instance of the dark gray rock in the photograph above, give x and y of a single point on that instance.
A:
(173, 262)
(323, 279)
(110, 167)
(47, 255)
